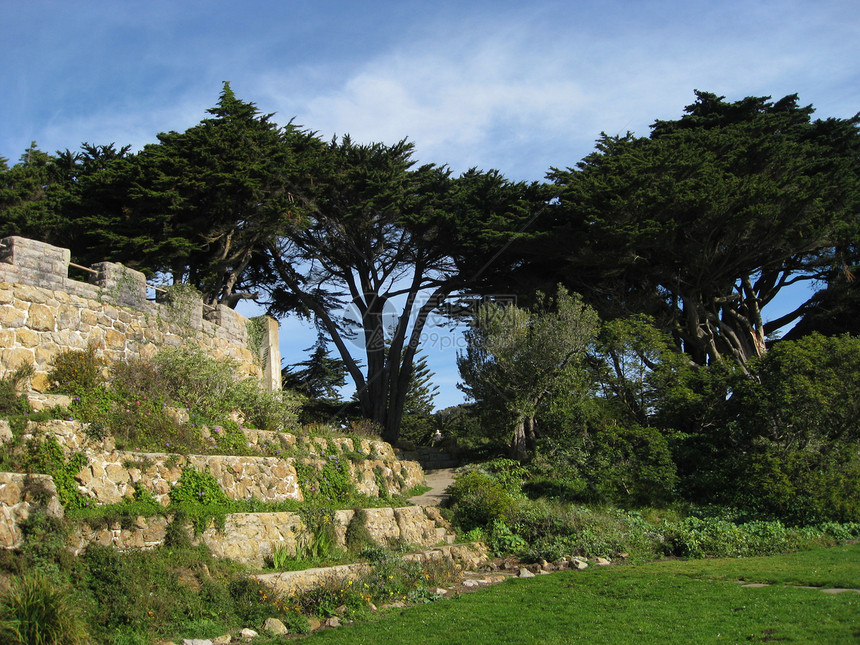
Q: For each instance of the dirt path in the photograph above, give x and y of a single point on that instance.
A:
(438, 480)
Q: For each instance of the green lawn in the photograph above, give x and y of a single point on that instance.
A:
(695, 601)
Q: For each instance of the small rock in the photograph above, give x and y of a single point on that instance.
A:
(439, 591)
(334, 621)
(275, 626)
(248, 633)
(5, 432)
(578, 564)
(314, 623)
(374, 608)
(561, 564)
(623, 556)
(544, 572)
(602, 562)
(340, 611)
(196, 641)
(471, 583)
(525, 573)
(226, 639)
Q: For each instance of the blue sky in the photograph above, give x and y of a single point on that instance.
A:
(514, 86)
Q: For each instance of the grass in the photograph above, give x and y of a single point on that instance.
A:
(664, 602)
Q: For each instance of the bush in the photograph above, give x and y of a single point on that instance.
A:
(196, 381)
(632, 467)
(37, 611)
(77, 372)
(264, 409)
(478, 499)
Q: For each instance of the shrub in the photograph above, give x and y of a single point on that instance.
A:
(196, 487)
(264, 409)
(478, 499)
(331, 483)
(195, 380)
(77, 372)
(37, 611)
(357, 536)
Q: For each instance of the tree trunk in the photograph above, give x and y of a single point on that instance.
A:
(518, 448)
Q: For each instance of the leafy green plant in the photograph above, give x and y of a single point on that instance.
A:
(46, 456)
(37, 611)
(282, 557)
(332, 482)
(319, 540)
(200, 497)
(196, 487)
(381, 483)
(502, 540)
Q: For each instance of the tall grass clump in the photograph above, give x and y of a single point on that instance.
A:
(11, 402)
(36, 611)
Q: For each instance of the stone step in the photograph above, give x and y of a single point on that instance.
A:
(463, 557)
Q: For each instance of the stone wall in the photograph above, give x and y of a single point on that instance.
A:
(459, 556)
(43, 312)
(111, 475)
(251, 538)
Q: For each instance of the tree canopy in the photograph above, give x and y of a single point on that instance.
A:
(703, 223)
(384, 244)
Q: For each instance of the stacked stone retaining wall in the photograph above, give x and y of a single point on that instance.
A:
(252, 538)
(110, 475)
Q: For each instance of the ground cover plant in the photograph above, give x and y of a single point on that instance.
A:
(677, 601)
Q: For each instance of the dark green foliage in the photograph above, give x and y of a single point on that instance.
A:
(703, 223)
(357, 536)
(785, 441)
(478, 499)
(319, 377)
